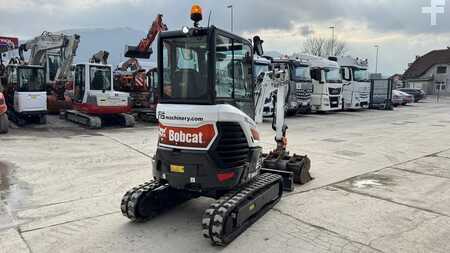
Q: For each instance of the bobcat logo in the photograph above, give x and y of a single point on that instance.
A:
(161, 115)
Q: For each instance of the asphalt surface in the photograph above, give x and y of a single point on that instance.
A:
(382, 184)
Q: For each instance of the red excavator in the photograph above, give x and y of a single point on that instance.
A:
(131, 77)
(143, 50)
(4, 122)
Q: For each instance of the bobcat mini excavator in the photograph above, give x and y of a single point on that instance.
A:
(208, 141)
(94, 99)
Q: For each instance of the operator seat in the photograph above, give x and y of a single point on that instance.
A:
(188, 83)
(97, 81)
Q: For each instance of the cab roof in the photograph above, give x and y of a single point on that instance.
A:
(349, 61)
(202, 31)
(318, 62)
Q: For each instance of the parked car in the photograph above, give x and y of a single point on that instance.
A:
(418, 94)
(401, 98)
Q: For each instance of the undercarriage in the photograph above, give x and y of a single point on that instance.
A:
(240, 201)
(21, 119)
(224, 220)
(4, 123)
(97, 121)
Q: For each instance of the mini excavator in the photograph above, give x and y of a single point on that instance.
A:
(208, 141)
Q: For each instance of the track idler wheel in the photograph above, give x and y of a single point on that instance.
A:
(127, 120)
(4, 123)
(148, 200)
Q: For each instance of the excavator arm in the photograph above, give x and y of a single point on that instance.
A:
(100, 57)
(143, 49)
(47, 42)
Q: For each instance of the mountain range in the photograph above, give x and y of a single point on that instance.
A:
(113, 40)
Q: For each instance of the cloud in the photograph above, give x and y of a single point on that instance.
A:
(362, 23)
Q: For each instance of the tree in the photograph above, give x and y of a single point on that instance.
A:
(324, 47)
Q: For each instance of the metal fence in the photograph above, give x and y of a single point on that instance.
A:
(381, 94)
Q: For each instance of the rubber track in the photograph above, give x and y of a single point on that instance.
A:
(215, 216)
(130, 200)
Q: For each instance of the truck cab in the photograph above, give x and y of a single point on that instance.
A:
(327, 84)
(356, 85)
(25, 93)
(300, 85)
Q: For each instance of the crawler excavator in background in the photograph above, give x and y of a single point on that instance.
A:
(55, 52)
(94, 99)
(4, 122)
(131, 77)
(6, 44)
(23, 87)
(208, 141)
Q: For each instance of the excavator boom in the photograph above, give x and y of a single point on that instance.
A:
(143, 49)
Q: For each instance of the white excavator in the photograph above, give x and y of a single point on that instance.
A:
(23, 87)
(55, 52)
(208, 139)
(94, 99)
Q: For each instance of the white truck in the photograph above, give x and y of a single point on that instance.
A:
(327, 84)
(356, 85)
(300, 86)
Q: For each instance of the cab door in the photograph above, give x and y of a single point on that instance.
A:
(79, 88)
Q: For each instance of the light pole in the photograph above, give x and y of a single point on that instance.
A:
(231, 8)
(376, 61)
(332, 39)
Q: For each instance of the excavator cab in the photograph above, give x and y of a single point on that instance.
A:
(94, 92)
(94, 98)
(25, 93)
(206, 66)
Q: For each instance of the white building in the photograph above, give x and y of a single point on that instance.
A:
(430, 72)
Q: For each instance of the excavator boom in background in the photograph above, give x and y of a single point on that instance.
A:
(23, 87)
(143, 49)
(130, 76)
(55, 52)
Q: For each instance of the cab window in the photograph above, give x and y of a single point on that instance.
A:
(233, 69)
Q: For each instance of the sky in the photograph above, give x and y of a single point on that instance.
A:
(399, 27)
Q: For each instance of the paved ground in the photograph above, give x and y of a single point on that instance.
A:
(382, 184)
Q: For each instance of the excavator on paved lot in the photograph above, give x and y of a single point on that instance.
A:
(208, 139)
(23, 87)
(4, 122)
(6, 44)
(55, 52)
(138, 81)
(94, 99)
(131, 77)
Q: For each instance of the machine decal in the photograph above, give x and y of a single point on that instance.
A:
(163, 116)
(189, 137)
